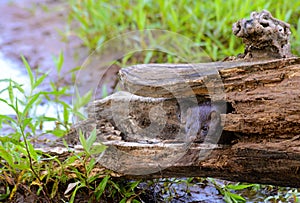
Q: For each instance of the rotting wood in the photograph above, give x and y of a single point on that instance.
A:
(261, 132)
(183, 80)
(260, 141)
(267, 150)
(275, 162)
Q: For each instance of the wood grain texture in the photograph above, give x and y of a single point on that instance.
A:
(260, 142)
(276, 162)
(264, 94)
(183, 80)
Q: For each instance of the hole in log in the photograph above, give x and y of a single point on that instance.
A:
(229, 108)
(264, 24)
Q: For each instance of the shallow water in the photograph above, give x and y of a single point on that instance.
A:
(12, 70)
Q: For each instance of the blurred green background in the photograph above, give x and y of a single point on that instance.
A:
(207, 23)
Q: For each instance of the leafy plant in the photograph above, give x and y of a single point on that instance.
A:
(226, 191)
(23, 164)
(20, 161)
(21, 156)
(87, 177)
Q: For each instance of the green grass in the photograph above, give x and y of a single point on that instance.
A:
(22, 165)
(207, 23)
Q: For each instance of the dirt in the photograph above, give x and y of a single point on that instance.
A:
(31, 28)
(38, 30)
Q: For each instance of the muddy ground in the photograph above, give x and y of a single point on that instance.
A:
(32, 28)
(39, 30)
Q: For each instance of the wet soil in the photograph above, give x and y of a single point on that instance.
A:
(32, 28)
(39, 30)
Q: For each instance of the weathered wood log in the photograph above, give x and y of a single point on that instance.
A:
(260, 141)
(183, 80)
(261, 132)
(275, 162)
(264, 96)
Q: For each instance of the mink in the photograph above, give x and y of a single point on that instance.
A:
(201, 123)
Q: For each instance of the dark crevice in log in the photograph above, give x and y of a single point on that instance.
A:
(229, 138)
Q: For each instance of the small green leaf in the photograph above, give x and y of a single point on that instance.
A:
(98, 149)
(74, 193)
(123, 200)
(11, 93)
(6, 156)
(30, 103)
(18, 86)
(90, 165)
(70, 160)
(7, 118)
(10, 105)
(233, 197)
(101, 187)
(237, 197)
(83, 141)
(26, 121)
(81, 101)
(79, 115)
(91, 139)
(59, 61)
(39, 81)
(115, 185)
(30, 74)
(32, 151)
(238, 187)
(54, 188)
(45, 118)
(227, 198)
(66, 114)
(134, 184)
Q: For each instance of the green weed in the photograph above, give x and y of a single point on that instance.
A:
(24, 166)
(207, 23)
(227, 191)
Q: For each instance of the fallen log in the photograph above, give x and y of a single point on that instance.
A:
(260, 115)
(273, 162)
(263, 95)
(260, 142)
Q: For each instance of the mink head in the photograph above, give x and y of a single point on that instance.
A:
(202, 121)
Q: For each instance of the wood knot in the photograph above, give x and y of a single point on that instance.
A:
(264, 36)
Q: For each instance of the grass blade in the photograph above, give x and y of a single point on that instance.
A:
(28, 69)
